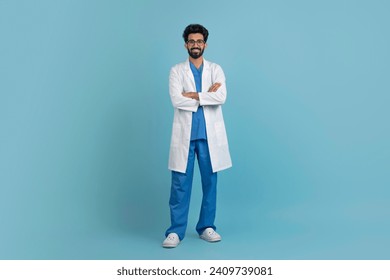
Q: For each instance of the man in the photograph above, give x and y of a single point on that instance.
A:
(197, 90)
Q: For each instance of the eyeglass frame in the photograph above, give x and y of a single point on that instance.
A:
(198, 42)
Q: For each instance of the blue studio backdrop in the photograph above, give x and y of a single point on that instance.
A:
(85, 123)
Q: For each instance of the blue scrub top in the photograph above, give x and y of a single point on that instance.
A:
(198, 129)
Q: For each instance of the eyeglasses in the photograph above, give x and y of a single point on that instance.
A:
(198, 42)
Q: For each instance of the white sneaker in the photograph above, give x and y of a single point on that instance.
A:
(210, 235)
(171, 241)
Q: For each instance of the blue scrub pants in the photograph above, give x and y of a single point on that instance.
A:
(181, 187)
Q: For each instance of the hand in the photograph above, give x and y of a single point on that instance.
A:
(193, 95)
(214, 87)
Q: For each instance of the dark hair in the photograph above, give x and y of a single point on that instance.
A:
(195, 28)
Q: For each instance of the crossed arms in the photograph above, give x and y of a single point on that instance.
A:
(195, 95)
(190, 101)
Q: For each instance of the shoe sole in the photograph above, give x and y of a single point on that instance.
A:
(170, 246)
(210, 240)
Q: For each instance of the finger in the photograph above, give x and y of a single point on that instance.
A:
(216, 87)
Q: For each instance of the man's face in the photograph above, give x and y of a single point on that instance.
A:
(195, 45)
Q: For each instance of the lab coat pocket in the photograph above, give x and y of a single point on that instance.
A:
(176, 134)
(220, 133)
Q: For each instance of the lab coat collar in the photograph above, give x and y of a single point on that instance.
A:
(206, 64)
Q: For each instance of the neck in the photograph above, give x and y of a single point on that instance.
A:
(196, 61)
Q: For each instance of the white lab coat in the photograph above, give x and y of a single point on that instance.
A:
(182, 80)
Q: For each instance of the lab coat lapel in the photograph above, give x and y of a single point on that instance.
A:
(189, 74)
(206, 76)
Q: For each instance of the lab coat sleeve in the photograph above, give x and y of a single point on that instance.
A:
(175, 91)
(218, 97)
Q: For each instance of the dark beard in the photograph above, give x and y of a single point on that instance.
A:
(193, 55)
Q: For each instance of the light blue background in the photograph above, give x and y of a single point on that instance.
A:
(85, 121)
